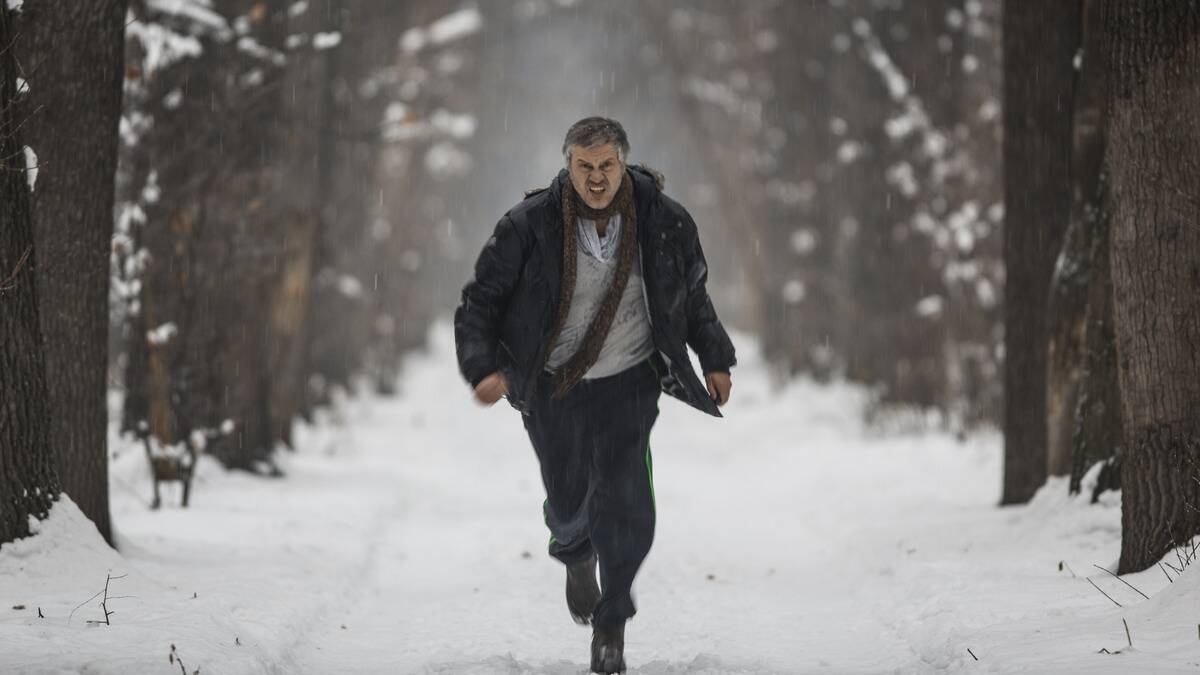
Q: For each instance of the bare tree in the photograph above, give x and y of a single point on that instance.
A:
(1154, 155)
(928, 257)
(422, 158)
(1097, 435)
(1083, 414)
(216, 176)
(28, 479)
(72, 55)
(860, 191)
(1040, 43)
(265, 238)
(372, 194)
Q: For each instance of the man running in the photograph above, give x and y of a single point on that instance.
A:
(580, 311)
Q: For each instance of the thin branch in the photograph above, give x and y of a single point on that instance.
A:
(10, 283)
(10, 43)
(103, 603)
(1164, 571)
(1103, 593)
(1123, 581)
(82, 604)
(27, 118)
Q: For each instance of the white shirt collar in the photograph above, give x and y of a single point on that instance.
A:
(601, 248)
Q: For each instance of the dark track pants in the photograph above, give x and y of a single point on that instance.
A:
(594, 449)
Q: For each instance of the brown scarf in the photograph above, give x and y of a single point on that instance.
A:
(569, 374)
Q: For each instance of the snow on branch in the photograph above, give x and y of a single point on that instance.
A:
(31, 167)
(454, 26)
(199, 12)
(913, 118)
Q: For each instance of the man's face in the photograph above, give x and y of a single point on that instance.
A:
(596, 173)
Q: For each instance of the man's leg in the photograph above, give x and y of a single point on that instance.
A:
(557, 429)
(621, 507)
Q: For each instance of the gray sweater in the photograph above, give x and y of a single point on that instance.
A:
(629, 338)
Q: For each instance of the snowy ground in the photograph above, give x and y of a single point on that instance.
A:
(407, 538)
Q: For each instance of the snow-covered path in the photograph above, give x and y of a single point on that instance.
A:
(407, 538)
(768, 521)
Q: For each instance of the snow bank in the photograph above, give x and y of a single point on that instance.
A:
(235, 582)
(66, 541)
(57, 573)
(1023, 588)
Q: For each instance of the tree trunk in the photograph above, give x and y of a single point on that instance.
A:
(1073, 273)
(315, 343)
(1097, 435)
(1064, 368)
(73, 54)
(1040, 41)
(1096, 415)
(28, 480)
(1155, 161)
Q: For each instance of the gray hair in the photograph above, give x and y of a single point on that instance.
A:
(592, 131)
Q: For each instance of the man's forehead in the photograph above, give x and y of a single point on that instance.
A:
(596, 153)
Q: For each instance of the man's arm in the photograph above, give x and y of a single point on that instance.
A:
(706, 335)
(484, 299)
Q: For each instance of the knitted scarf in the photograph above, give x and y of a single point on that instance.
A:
(569, 374)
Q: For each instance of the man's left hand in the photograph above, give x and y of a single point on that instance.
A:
(718, 386)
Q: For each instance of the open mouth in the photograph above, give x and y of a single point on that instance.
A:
(596, 190)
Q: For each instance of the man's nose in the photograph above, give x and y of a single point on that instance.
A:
(596, 176)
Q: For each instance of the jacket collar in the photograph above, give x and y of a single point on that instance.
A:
(645, 191)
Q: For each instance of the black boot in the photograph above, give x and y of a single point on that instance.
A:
(608, 649)
(582, 591)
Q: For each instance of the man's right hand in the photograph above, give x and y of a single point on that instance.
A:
(491, 388)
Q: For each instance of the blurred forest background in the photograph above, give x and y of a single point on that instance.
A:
(237, 209)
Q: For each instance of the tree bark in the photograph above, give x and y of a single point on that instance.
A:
(1096, 415)
(1155, 160)
(1097, 435)
(1072, 275)
(28, 480)
(1040, 41)
(1064, 369)
(73, 54)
